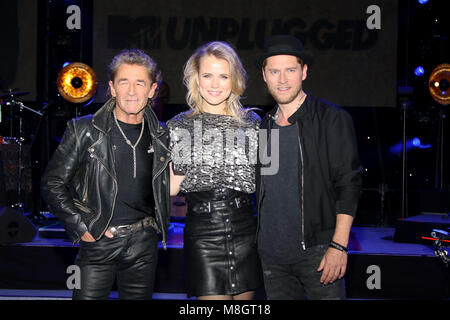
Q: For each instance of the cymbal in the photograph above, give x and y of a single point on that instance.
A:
(13, 94)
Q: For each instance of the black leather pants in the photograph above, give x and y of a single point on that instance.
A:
(132, 259)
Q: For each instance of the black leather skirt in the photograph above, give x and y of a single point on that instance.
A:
(219, 243)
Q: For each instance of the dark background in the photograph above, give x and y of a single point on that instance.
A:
(369, 83)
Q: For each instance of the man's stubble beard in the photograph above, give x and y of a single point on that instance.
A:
(284, 100)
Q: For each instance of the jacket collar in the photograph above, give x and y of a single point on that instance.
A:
(305, 111)
(102, 119)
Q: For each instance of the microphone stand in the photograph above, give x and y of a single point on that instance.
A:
(404, 107)
(404, 93)
(439, 180)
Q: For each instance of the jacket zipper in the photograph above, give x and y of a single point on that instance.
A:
(98, 188)
(85, 188)
(262, 181)
(158, 209)
(302, 192)
(114, 202)
(259, 207)
(113, 206)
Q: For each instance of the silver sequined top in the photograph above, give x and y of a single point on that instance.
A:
(214, 151)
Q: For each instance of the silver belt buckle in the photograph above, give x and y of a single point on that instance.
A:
(116, 230)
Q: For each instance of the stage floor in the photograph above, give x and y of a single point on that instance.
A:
(363, 240)
(379, 240)
(37, 270)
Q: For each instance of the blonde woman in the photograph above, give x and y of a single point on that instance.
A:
(214, 147)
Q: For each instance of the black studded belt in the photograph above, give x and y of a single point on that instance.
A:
(125, 230)
(209, 206)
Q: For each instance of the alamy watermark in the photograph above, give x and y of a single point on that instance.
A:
(374, 20)
(374, 280)
(214, 147)
(74, 279)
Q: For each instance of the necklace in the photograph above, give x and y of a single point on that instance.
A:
(129, 142)
(275, 117)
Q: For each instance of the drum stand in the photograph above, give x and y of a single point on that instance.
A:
(19, 205)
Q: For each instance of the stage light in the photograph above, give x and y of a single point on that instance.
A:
(414, 143)
(77, 82)
(439, 84)
(65, 64)
(422, 1)
(419, 71)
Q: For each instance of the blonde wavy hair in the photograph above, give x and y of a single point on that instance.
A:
(220, 50)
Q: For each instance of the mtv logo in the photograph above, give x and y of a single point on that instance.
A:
(127, 32)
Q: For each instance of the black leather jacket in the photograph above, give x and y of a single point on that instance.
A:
(80, 185)
(330, 178)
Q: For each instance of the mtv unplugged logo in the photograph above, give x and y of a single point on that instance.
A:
(177, 33)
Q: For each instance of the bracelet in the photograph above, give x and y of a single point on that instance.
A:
(337, 246)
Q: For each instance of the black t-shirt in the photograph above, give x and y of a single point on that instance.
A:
(279, 237)
(135, 199)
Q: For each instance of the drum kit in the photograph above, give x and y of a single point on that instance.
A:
(441, 240)
(76, 84)
(9, 99)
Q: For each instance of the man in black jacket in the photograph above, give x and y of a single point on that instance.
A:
(108, 184)
(307, 205)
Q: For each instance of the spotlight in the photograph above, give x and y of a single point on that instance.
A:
(422, 1)
(439, 84)
(77, 82)
(65, 64)
(414, 143)
(419, 71)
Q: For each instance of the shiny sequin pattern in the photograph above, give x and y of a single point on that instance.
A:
(214, 151)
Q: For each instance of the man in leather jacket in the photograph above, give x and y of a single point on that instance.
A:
(306, 207)
(108, 184)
